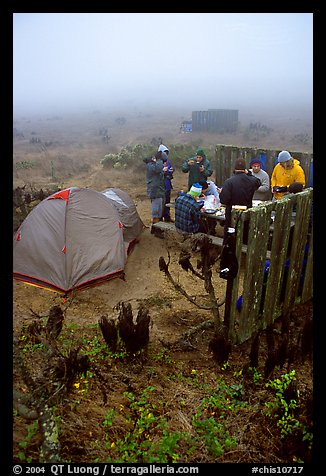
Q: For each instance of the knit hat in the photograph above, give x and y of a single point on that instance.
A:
(240, 164)
(254, 161)
(195, 190)
(163, 148)
(284, 156)
(200, 152)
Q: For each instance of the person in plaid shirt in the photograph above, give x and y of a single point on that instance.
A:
(188, 217)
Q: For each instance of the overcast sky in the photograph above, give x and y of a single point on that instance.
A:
(194, 61)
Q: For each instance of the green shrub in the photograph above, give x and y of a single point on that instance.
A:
(134, 155)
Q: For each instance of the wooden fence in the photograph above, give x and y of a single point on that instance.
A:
(225, 156)
(266, 295)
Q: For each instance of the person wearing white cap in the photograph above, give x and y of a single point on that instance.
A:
(188, 217)
(163, 148)
(168, 170)
(288, 170)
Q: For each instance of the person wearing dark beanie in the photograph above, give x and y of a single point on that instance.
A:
(264, 191)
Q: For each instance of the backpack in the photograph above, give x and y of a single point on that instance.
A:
(229, 263)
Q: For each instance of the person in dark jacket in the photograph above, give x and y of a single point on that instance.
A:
(238, 190)
(155, 184)
(199, 168)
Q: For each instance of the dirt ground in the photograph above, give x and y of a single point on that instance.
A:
(182, 376)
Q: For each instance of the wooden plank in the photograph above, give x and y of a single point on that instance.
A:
(170, 227)
(165, 226)
(219, 161)
(299, 241)
(216, 240)
(230, 310)
(307, 290)
(282, 224)
(254, 273)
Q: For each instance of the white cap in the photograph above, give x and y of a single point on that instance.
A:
(162, 148)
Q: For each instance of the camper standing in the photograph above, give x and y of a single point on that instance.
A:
(156, 184)
(198, 167)
(168, 177)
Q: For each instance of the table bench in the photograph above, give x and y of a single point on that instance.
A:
(170, 227)
(216, 240)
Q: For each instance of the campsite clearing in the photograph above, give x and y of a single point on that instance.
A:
(187, 398)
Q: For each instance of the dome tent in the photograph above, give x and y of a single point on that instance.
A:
(75, 238)
(132, 225)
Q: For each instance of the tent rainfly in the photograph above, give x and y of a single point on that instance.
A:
(76, 238)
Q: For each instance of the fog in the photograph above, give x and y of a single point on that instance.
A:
(137, 61)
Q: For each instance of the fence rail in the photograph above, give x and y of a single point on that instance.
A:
(225, 156)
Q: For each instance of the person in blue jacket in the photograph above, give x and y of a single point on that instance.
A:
(168, 177)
